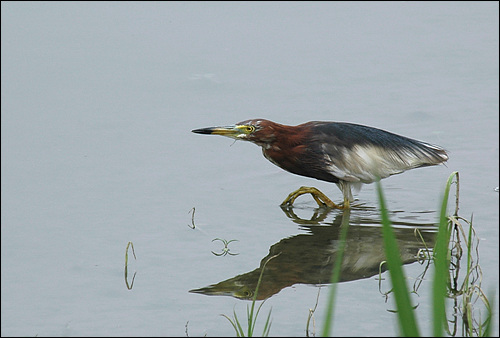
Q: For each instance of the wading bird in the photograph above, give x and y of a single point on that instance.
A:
(343, 153)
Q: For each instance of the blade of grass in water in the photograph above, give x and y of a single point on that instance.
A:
(441, 263)
(336, 275)
(251, 313)
(406, 316)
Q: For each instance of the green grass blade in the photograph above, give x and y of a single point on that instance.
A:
(466, 299)
(336, 275)
(257, 313)
(406, 316)
(441, 263)
(239, 332)
(490, 307)
(267, 326)
(251, 321)
(251, 313)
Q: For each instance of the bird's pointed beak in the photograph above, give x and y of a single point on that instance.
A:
(212, 291)
(226, 288)
(235, 131)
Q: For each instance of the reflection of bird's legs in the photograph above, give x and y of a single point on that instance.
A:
(318, 196)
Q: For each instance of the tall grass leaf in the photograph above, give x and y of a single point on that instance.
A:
(267, 326)
(490, 307)
(336, 274)
(441, 264)
(406, 316)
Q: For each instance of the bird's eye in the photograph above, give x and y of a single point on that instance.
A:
(250, 129)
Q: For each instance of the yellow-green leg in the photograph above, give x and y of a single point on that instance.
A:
(318, 196)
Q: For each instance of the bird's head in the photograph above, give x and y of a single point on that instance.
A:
(258, 131)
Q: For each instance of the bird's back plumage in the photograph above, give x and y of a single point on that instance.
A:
(357, 153)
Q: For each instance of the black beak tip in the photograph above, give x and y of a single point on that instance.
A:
(202, 131)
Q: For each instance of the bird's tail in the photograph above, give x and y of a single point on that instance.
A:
(430, 154)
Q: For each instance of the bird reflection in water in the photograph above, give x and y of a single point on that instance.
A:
(309, 258)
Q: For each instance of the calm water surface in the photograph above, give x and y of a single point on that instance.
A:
(98, 101)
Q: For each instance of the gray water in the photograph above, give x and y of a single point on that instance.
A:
(98, 104)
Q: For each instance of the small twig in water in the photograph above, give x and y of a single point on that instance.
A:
(311, 315)
(129, 286)
(192, 218)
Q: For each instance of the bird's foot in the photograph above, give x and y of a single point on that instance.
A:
(319, 197)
